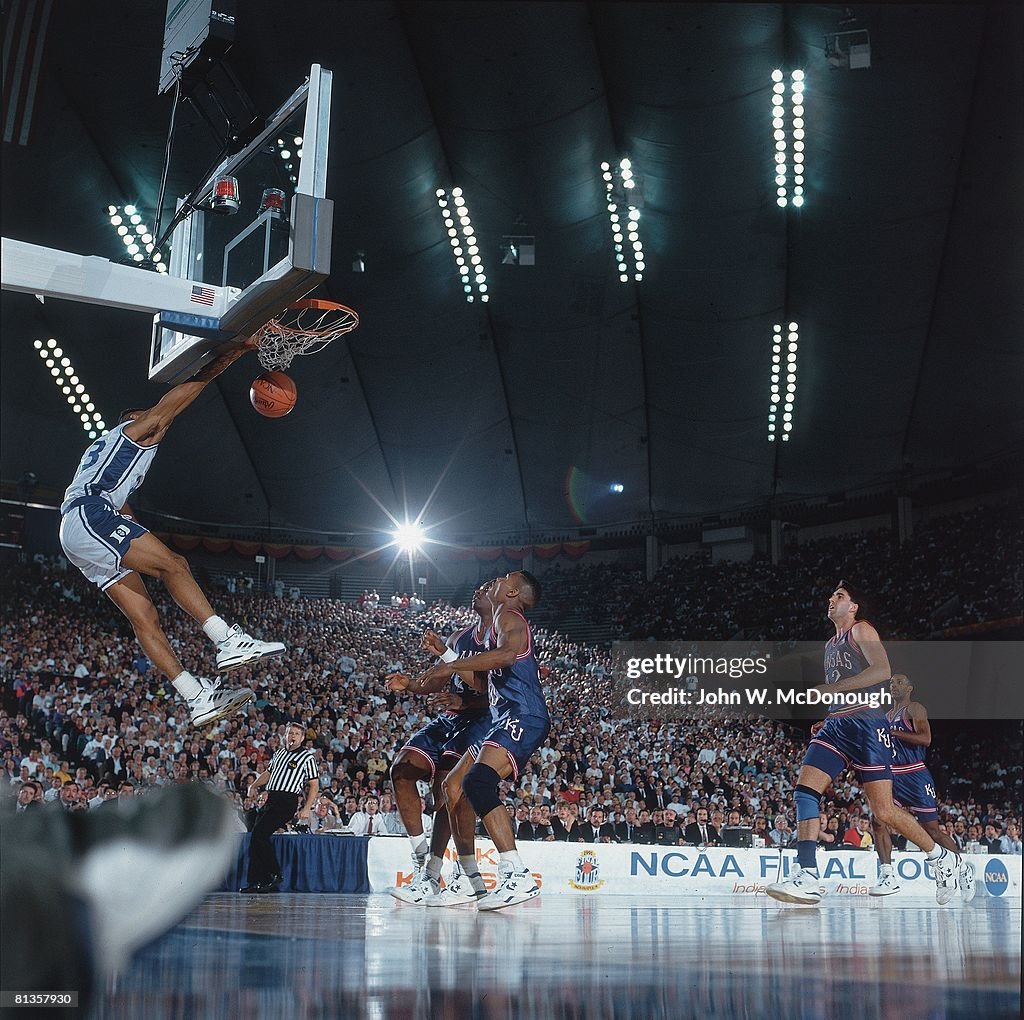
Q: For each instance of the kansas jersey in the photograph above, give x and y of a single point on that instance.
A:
(905, 757)
(111, 469)
(465, 643)
(843, 659)
(516, 689)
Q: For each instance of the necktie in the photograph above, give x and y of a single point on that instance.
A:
(369, 827)
(703, 834)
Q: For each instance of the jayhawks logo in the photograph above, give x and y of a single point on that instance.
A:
(588, 873)
(515, 730)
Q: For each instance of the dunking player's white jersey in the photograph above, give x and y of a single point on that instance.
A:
(112, 469)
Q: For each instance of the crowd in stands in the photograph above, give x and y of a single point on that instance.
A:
(84, 717)
(958, 570)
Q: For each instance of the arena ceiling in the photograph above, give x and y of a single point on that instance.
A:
(903, 269)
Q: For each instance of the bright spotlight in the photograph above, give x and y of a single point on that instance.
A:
(409, 537)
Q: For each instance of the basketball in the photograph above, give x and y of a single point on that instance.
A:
(273, 394)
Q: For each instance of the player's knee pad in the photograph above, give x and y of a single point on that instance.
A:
(808, 803)
(481, 787)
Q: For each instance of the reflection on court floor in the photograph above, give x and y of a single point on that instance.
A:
(302, 956)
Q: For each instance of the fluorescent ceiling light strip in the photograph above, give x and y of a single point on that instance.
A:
(59, 366)
(465, 244)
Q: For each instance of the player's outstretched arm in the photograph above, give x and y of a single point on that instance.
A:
(149, 427)
(513, 639)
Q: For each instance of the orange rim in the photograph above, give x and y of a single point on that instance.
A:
(321, 306)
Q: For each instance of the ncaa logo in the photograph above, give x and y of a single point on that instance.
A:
(588, 873)
(997, 880)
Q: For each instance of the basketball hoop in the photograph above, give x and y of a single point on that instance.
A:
(305, 327)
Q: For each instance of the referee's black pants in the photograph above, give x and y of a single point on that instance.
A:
(279, 809)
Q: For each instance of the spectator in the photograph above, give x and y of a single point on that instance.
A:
(858, 835)
(368, 821)
(991, 840)
(1011, 843)
(594, 830)
(701, 832)
(781, 835)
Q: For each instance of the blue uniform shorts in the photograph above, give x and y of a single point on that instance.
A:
(915, 791)
(471, 735)
(431, 742)
(859, 741)
(95, 536)
(518, 736)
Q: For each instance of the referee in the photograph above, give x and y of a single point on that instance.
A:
(290, 769)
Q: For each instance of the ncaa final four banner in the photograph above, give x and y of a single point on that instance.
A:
(584, 869)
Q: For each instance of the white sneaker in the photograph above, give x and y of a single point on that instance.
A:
(239, 649)
(458, 890)
(802, 887)
(214, 702)
(513, 887)
(967, 876)
(887, 885)
(422, 886)
(946, 868)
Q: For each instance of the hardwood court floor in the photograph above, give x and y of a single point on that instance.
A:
(300, 956)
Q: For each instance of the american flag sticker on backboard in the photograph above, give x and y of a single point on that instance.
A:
(202, 295)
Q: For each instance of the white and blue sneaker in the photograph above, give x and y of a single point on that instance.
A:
(513, 887)
(801, 887)
(888, 883)
(239, 649)
(214, 702)
(457, 891)
(968, 885)
(418, 890)
(947, 868)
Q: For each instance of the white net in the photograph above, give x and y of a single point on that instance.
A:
(306, 327)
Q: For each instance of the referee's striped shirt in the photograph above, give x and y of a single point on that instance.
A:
(291, 770)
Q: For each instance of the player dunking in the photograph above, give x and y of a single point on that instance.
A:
(913, 787)
(857, 737)
(519, 725)
(100, 537)
(430, 753)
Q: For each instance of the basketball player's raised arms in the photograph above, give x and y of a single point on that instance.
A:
(150, 426)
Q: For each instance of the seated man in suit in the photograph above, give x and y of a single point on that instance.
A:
(628, 830)
(561, 824)
(594, 830)
(540, 819)
(701, 832)
(530, 828)
(646, 828)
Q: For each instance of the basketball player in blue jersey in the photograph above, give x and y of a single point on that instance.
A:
(854, 736)
(431, 752)
(519, 725)
(913, 787)
(111, 549)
